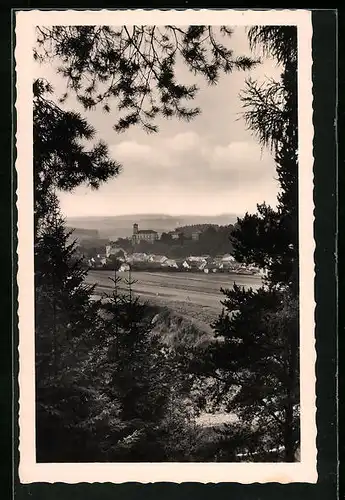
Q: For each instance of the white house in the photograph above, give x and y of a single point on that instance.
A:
(124, 268)
(102, 259)
(202, 265)
(186, 265)
(210, 269)
(197, 258)
(228, 258)
(138, 257)
(159, 259)
(170, 263)
(114, 250)
(99, 260)
(227, 265)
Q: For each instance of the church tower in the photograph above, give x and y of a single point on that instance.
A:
(135, 234)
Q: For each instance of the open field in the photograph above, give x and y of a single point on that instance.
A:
(194, 296)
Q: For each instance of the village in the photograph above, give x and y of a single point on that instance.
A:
(117, 258)
(124, 260)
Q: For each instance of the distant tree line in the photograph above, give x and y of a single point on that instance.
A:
(91, 247)
(188, 230)
(84, 233)
(213, 240)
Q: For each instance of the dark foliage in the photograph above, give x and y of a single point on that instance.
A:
(61, 160)
(260, 356)
(65, 319)
(257, 362)
(91, 247)
(139, 374)
(65, 316)
(81, 414)
(136, 66)
(279, 42)
(270, 237)
(267, 239)
(106, 390)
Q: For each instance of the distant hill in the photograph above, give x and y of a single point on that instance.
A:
(120, 226)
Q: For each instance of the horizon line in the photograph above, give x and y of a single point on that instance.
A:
(153, 213)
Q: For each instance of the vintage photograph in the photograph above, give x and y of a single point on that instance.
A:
(166, 242)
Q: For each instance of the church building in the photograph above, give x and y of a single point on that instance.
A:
(143, 235)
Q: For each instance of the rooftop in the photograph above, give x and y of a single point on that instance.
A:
(150, 231)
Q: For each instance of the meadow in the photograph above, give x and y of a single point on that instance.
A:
(195, 296)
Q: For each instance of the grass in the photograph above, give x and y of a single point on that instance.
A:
(196, 297)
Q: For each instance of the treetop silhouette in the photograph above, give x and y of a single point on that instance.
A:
(136, 66)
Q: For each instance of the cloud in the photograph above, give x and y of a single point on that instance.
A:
(183, 141)
(132, 150)
(240, 152)
(194, 161)
(136, 155)
(165, 153)
(186, 172)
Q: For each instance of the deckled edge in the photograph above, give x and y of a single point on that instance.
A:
(37, 467)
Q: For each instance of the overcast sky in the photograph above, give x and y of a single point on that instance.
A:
(211, 165)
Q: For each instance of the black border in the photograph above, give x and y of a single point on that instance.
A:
(325, 193)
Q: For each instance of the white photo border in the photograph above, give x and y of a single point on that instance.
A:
(245, 473)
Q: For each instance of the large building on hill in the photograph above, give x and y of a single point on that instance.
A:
(143, 235)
